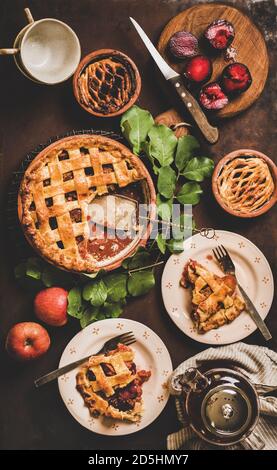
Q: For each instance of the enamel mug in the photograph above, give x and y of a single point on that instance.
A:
(46, 51)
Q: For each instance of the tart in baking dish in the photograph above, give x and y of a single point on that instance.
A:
(215, 300)
(245, 184)
(111, 385)
(106, 83)
(57, 194)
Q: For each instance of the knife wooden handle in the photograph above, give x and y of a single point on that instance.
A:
(210, 132)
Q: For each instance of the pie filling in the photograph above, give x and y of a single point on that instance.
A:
(111, 385)
(215, 300)
(116, 227)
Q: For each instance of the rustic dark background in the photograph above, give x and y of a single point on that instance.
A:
(30, 114)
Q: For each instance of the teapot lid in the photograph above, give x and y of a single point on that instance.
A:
(226, 410)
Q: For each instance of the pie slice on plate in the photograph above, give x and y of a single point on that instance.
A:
(215, 300)
(111, 385)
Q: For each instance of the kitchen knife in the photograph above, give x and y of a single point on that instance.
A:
(210, 132)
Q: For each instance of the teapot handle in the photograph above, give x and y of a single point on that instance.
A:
(253, 442)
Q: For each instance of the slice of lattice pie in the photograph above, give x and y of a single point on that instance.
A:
(215, 300)
(111, 385)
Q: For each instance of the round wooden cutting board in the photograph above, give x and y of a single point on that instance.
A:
(249, 44)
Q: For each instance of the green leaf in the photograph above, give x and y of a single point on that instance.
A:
(90, 315)
(116, 285)
(95, 292)
(138, 260)
(175, 246)
(98, 293)
(101, 316)
(161, 242)
(135, 125)
(33, 268)
(164, 207)
(75, 306)
(185, 150)
(112, 310)
(198, 168)
(189, 193)
(140, 282)
(20, 271)
(146, 150)
(51, 276)
(162, 144)
(166, 181)
(47, 277)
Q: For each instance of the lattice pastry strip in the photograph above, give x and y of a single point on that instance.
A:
(122, 374)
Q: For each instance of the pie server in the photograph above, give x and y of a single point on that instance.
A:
(210, 132)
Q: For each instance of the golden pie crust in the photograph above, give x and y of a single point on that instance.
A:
(58, 187)
(245, 184)
(111, 386)
(215, 301)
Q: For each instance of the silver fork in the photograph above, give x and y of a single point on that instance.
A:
(227, 265)
(125, 338)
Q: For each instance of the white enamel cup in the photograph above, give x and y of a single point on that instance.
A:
(46, 51)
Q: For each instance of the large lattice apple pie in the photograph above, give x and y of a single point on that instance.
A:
(215, 300)
(60, 188)
(111, 385)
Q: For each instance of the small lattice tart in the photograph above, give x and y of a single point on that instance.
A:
(245, 185)
(215, 301)
(111, 385)
(57, 190)
(106, 83)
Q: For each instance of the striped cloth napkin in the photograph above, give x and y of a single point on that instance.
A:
(259, 365)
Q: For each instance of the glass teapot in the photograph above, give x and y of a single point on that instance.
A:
(221, 405)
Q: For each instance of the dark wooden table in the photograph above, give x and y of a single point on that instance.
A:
(30, 114)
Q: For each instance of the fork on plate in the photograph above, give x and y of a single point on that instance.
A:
(226, 263)
(127, 338)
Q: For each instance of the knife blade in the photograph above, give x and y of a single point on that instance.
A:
(210, 132)
(251, 309)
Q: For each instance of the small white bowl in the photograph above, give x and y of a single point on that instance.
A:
(50, 51)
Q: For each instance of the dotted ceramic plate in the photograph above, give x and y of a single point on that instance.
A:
(253, 273)
(150, 354)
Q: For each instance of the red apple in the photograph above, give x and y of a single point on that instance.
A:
(27, 341)
(51, 305)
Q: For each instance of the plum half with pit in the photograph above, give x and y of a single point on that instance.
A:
(236, 79)
(212, 97)
(220, 34)
(198, 69)
(183, 44)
